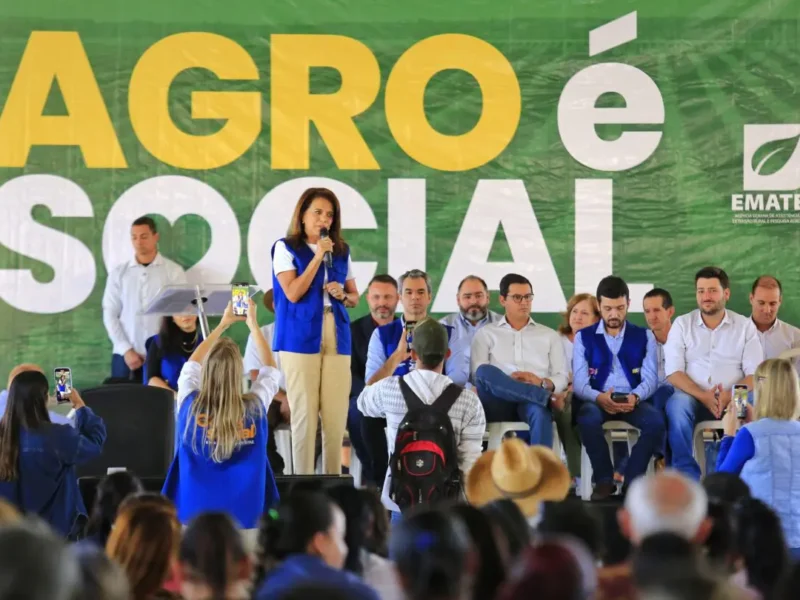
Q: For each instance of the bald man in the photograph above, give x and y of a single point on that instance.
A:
(24, 367)
(776, 336)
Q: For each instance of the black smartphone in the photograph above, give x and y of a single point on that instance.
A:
(240, 297)
(619, 397)
(409, 331)
(63, 381)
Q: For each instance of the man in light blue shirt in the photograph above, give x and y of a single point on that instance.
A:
(22, 368)
(615, 373)
(473, 303)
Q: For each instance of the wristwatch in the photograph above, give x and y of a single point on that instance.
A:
(544, 384)
(637, 398)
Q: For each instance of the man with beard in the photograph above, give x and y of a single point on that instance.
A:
(473, 304)
(615, 373)
(707, 352)
(776, 336)
(382, 300)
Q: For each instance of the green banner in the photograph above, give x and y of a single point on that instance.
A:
(561, 140)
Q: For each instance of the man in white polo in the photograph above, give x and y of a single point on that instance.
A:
(776, 336)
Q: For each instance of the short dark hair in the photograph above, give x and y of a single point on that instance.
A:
(508, 280)
(383, 278)
(612, 287)
(146, 221)
(769, 282)
(666, 297)
(714, 273)
(472, 278)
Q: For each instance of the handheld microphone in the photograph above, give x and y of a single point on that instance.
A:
(328, 259)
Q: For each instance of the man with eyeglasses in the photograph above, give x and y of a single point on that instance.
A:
(615, 373)
(517, 364)
(473, 314)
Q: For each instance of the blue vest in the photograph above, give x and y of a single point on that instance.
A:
(599, 357)
(390, 336)
(773, 473)
(298, 325)
(243, 486)
(171, 364)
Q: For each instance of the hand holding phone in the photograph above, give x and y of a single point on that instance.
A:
(63, 381)
(739, 394)
(240, 298)
(619, 397)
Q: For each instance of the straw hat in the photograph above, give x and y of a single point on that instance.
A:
(528, 475)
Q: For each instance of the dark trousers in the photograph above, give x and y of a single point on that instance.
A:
(374, 455)
(119, 370)
(273, 420)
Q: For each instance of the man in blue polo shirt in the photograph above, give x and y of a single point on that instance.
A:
(616, 357)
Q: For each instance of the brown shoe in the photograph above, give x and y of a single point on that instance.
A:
(603, 491)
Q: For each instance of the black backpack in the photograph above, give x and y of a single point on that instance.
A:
(424, 465)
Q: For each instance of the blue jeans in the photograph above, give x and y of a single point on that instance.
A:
(645, 417)
(357, 443)
(683, 412)
(120, 370)
(505, 399)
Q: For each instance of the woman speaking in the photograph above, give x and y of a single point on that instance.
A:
(313, 285)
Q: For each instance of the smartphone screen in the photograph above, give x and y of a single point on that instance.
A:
(740, 400)
(63, 380)
(240, 296)
(619, 398)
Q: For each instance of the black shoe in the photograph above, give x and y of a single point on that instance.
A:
(603, 491)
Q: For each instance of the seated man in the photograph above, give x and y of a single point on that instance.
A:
(707, 352)
(55, 416)
(517, 365)
(616, 357)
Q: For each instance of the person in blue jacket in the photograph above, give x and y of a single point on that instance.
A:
(168, 351)
(38, 457)
(303, 543)
(221, 461)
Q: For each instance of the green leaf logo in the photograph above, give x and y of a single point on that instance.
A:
(773, 156)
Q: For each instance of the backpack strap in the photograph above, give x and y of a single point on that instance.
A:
(448, 398)
(412, 400)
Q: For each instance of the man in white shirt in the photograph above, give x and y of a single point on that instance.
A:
(384, 399)
(517, 365)
(130, 287)
(707, 352)
(473, 304)
(776, 336)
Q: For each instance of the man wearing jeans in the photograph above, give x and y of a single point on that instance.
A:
(707, 352)
(517, 365)
(616, 357)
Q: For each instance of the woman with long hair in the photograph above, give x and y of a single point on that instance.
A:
(314, 284)
(111, 492)
(145, 543)
(220, 461)
(38, 457)
(168, 351)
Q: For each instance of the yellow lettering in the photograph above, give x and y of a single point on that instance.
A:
(149, 101)
(294, 107)
(57, 56)
(405, 102)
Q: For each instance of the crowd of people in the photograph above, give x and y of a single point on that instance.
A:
(415, 396)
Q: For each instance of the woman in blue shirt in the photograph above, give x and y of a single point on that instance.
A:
(766, 451)
(221, 461)
(303, 543)
(313, 284)
(38, 458)
(170, 349)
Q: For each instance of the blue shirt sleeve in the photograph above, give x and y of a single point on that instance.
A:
(375, 356)
(580, 373)
(735, 451)
(649, 383)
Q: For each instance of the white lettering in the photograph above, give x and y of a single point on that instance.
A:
(772, 202)
(406, 237)
(736, 202)
(754, 202)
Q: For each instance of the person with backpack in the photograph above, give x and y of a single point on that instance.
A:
(434, 427)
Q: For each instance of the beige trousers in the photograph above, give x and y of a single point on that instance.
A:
(318, 385)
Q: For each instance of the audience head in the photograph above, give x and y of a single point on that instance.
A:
(669, 563)
(306, 523)
(382, 297)
(576, 519)
(415, 294)
(511, 528)
(720, 545)
(378, 531)
(22, 368)
(490, 568)
(776, 390)
(658, 309)
(666, 502)
(314, 591)
(144, 237)
(111, 492)
(765, 300)
(317, 209)
(213, 559)
(727, 488)
(102, 578)
(36, 564)
(356, 512)
(268, 300)
(431, 551)
(713, 290)
(614, 299)
(145, 541)
(582, 311)
(431, 345)
(473, 298)
(516, 296)
(9, 515)
(26, 409)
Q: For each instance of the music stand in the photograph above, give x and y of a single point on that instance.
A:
(203, 299)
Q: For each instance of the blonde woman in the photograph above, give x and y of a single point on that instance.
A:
(221, 461)
(765, 451)
(582, 311)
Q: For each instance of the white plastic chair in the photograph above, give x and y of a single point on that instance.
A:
(355, 464)
(610, 428)
(283, 440)
(495, 432)
(698, 442)
(790, 354)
